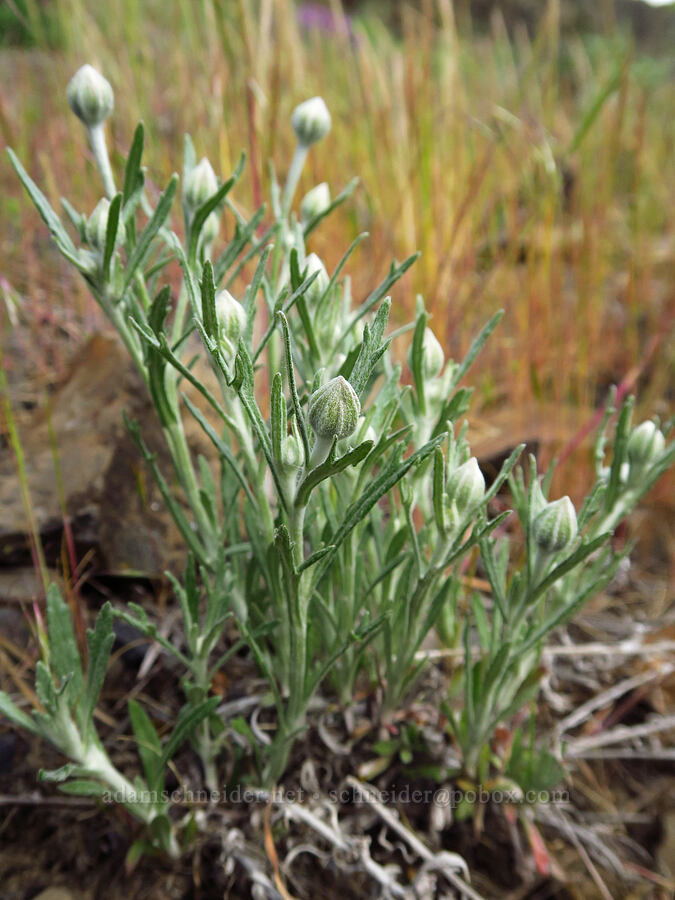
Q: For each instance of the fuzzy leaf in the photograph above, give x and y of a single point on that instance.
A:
(149, 745)
(132, 170)
(12, 712)
(99, 641)
(65, 657)
(150, 231)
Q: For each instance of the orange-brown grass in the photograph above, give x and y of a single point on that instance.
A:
(531, 172)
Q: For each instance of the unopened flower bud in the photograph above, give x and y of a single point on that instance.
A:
(365, 432)
(211, 228)
(287, 240)
(318, 287)
(466, 485)
(334, 409)
(292, 456)
(556, 526)
(231, 321)
(90, 96)
(200, 184)
(315, 202)
(97, 226)
(311, 121)
(645, 444)
(433, 358)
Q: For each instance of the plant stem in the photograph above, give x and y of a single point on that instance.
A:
(100, 151)
(203, 739)
(294, 172)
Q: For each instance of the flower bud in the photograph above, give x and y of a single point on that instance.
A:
(311, 121)
(292, 456)
(364, 432)
(556, 526)
(433, 358)
(334, 409)
(231, 321)
(466, 485)
(318, 287)
(645, 444)
(211, 228)
(90, 96)
(200, 184)
(287, 240)
(97, 225)
(315, 202)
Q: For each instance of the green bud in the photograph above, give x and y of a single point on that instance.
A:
(231, 321)
(90, 96)
(645, 444)
(97, 225)
(556, 526)
(364, 432)
(315, 202)
(292, 456)
(433, 358)
(334, 409)
(287, 240)
(200, 184)
(318, 287)
(466, 485)
(211, 228)
(311, 121)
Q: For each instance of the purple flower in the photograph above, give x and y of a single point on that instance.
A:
(315, 16)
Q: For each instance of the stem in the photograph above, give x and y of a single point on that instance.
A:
(179, 317)
(205, 746)
(239, 426)
(320, 452)
(100, 151)
(182, 460)
(298, 533)
(293, 177)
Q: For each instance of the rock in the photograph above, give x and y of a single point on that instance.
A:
(23, 584)
(110, 496)
(55, 893)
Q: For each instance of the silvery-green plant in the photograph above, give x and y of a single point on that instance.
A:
(340, 504)
(568, 559)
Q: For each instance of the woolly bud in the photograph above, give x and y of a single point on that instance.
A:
(211, 228)
(645, 444)
(318, 287)
(556, 526)
(97, 225)
(334, 409)
(200, 184)
(287, 240)
(292, 456)
(364, 433)
(315, 202)
(466, 485)
(90, 96)
(433, 358)
(311, 121)
(231, 321)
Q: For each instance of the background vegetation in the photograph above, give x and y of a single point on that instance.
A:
(531, 170)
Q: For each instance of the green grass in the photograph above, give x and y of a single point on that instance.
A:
(532, 173)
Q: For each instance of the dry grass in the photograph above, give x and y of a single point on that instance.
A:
(532, 174)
